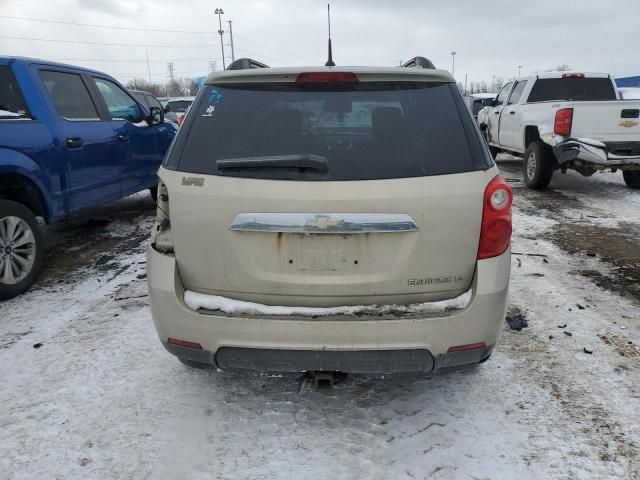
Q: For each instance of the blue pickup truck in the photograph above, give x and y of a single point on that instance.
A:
(70, 138)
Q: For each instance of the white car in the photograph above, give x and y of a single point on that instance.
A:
(565, 120)
(313, 219)
(474, 102)
(179, 106)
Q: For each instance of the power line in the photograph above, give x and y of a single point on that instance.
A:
(274, 49)
(164, 60)
(103, 26)
(173, 18)
(108, 44)
(160, 77)
(261, 56)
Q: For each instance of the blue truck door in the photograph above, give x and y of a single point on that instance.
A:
(140, 146)
(91, 148)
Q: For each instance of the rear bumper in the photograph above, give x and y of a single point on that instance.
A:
(353, 345)
(354, 361)
(597, 155)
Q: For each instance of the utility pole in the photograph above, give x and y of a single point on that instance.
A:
(519, 67)
(453, 64)
(233, 53)
(220, 12)
(148, 67)
(465, 83)
(172, 78)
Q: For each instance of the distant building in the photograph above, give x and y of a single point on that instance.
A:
(628, 81)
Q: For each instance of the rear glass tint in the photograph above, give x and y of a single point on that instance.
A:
(365, 131)
(579, 89)
(477, 106)
(179, 106)
(12, 104)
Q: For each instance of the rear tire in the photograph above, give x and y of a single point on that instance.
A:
(21, 249)
(537, 167)
(632, 178)
(154, 194)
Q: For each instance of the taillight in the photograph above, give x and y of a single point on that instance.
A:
(184, 343)
(562, 125)
(495, 234)
(467, 347)
(327, 77)
(573, 75)
(180, 119)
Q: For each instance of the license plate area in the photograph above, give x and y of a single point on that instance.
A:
(323, 253)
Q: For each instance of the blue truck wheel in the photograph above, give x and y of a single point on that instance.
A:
(21, 249)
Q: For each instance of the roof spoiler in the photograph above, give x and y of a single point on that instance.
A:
(419, 62)
(245, 64)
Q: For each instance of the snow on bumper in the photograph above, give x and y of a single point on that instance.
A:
(595, 154)
(214, 303)
(431, 335)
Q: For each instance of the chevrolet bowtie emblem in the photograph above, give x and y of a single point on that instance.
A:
(321, 222)
(628, 123)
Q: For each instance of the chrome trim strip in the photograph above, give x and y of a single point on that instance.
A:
(330, 223)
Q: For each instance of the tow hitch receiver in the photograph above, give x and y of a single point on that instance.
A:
(321, 380)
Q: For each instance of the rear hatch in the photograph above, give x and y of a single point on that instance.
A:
(325, 194)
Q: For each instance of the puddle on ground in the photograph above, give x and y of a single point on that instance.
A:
(618, 247)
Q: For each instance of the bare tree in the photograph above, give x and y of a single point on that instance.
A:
(141, 84)
(560, 68)
(191, 86)
(174, 88)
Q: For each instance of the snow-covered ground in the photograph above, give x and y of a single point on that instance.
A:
(87, 390)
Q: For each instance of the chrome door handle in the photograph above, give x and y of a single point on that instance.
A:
(72, 143)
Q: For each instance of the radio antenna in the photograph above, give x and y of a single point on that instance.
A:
(330, 62)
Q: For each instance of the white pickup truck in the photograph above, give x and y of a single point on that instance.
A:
(565, 120)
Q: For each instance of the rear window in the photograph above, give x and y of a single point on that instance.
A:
(477, 106)
(70, 96)
(361, 131)
(574, 89)
(179, 106)
(153, 102)
(140, 97)
(12, 104)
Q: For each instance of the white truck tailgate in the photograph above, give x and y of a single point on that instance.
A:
(607, 121)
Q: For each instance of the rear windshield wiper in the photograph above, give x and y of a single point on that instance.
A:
(309, 161)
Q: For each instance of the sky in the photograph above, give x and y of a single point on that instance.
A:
(492, 37)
